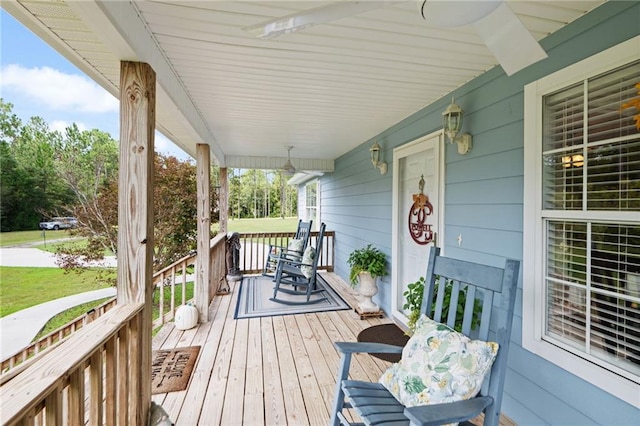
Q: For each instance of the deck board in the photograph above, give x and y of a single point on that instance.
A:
(273, 397)
(266, 371)
(315, 408)
(215, 391)
(294, 402)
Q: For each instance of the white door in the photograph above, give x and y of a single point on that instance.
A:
(411, 162)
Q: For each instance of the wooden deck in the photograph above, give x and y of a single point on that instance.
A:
(266, 371)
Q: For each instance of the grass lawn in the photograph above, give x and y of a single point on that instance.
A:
(25, 287)
(67, 316)
(23, 237)
(75, 242)
(22, 288)
(288, 224)
(167, 298)
(73, 313)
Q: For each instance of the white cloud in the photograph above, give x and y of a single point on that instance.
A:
(57, 90)
(61, 126)
(165, 146)
(161, 142)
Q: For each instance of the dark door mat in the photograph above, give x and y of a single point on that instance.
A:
(390, 334)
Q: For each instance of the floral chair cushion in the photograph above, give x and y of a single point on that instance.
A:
(292, 252)
(307, 262)
(439, 365)
(294, 248)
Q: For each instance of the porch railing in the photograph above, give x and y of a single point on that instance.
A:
(255, 247)
(172, 279)
(93, 366)
(49, 341)
(171, 288)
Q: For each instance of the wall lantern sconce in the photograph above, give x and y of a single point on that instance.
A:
(452, 123)
(375, 159)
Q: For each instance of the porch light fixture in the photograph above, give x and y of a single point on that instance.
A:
(288, 168)
(452, 123)
(375, 159)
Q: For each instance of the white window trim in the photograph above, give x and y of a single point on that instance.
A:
(533, 290)
(316, 224)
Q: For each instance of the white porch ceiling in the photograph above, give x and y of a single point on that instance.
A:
(323, 90)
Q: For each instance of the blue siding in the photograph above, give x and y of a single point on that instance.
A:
(483, 202)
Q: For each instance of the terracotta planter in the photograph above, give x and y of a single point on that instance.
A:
(368, 288)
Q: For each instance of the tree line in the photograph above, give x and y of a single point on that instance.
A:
(261, 193)
(46, 173)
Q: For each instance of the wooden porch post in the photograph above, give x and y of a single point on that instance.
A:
(135, 223)
(223, 200)
(203, 263)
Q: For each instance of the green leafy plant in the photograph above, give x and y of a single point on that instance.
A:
(367, 259)
(413, 296)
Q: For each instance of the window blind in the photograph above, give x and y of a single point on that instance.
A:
(593, 289)
(585, 128)
(591, 163)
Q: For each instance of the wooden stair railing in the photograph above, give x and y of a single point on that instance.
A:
(93, 366)
(18, 362)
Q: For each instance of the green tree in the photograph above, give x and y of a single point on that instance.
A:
(10, 124)
(86, 161)
(33, 186)
(234, 193)
(175, 208)
(175, 215)
(260, 193)
(14, 184)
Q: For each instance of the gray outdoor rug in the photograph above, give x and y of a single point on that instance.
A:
(255, 291)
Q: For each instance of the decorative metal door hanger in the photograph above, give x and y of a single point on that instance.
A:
(420, 231)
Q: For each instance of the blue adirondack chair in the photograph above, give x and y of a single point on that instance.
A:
(275, 251)
(496, 287)
(298, 277)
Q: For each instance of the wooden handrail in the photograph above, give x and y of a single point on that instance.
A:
(18, 362)
(101, 348)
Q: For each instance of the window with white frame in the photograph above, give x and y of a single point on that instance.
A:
(311, 200)
(582, 223)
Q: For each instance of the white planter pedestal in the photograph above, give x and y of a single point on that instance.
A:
(367, 288)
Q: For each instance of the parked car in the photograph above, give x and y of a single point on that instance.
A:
(59, 223)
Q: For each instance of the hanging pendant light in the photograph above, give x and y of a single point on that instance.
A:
(288, 168)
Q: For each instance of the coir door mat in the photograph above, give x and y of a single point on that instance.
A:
(172, 368)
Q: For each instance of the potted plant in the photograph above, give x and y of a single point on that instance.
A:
(367, 264)
(413, 296)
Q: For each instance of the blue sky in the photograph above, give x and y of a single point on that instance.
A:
(38, 81)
